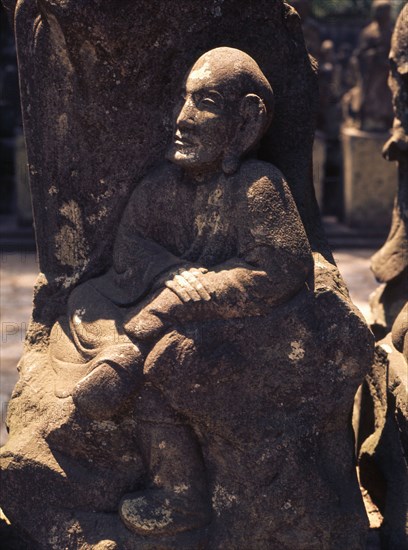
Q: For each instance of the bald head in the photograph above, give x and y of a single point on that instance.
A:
(235, 73)
(226, 107)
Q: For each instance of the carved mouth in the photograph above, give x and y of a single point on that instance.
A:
(183, 143)
(181, 140)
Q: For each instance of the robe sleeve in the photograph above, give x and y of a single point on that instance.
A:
(137, 260)
(274, 257)
(272, 264)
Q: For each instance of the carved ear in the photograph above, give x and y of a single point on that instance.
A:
(254, 120)
(253, 115)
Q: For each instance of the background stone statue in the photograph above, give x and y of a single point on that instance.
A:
(368, 105)
(367, 114)
(188, 378)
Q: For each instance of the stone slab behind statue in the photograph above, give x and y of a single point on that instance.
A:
(370, 183)
(265, 398)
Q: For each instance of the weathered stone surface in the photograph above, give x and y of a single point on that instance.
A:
(24, 207)
(173, 398)
(383, 442)
(390, 263)
(370, 183)
(278, 457)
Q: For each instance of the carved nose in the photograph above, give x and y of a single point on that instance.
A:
(186, 116)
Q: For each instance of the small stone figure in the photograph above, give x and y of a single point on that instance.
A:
(368, 105)
(209, 248)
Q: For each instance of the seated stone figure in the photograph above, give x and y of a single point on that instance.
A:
(212, 234)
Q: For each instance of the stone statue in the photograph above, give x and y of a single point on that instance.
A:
(368, 116)
(390, 263)
(368, 105)
(383, 438)
(199, 240)
(175, 395)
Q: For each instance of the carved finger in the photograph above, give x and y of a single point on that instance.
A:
(196, 283)
(180, 291)
(192, 292)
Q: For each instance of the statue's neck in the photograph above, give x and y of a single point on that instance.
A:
(201, 177)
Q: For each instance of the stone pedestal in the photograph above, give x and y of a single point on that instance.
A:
(370, 182)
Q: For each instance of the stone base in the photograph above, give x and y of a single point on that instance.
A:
(370, 182)
(272, 423)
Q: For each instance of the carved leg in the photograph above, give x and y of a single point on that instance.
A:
(177, 499)
(115, 375)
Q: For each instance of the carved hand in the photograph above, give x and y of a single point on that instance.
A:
(189, 285)
(150, 319)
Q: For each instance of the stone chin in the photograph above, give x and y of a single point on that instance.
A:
(184, 156)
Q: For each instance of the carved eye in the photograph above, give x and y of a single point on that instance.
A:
(207, 101)
(211, 100)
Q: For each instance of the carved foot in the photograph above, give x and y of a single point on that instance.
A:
(101, 393)
(154, 512)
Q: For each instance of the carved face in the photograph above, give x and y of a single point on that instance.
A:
(205, 123)
(226, 108)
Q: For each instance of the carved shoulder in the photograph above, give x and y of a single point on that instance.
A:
(271, 215)
(262, 181)
(157, 177)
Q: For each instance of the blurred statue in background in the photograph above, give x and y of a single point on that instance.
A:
(368, 106)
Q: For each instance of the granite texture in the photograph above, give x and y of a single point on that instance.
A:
(189, 372)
